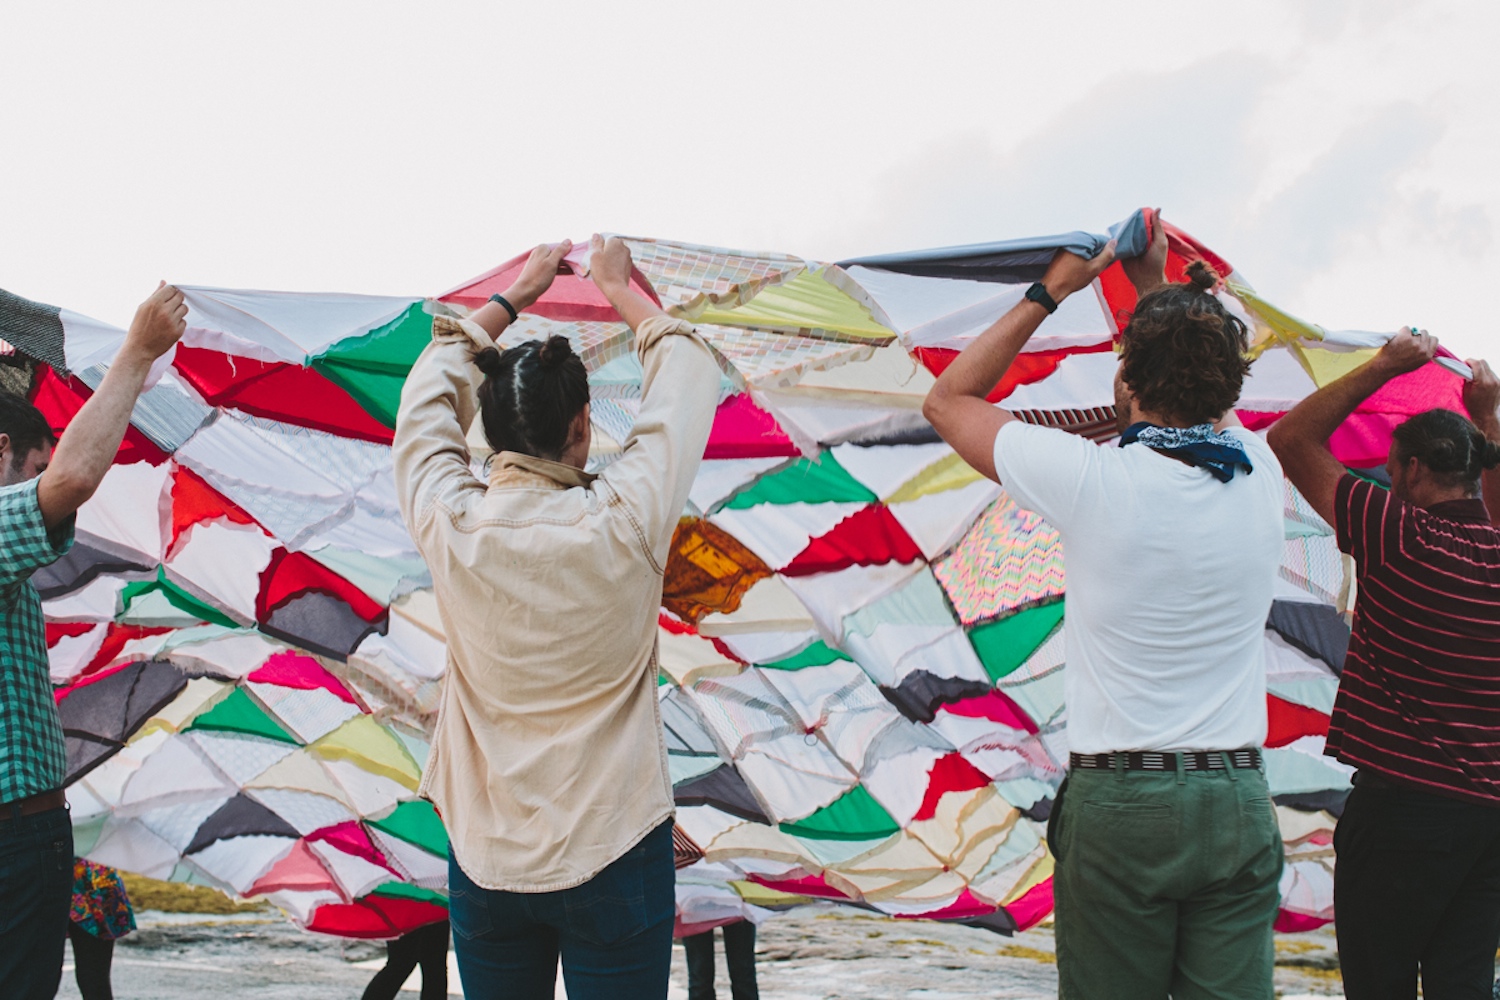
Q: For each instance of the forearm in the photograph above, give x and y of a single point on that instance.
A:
(92, 439)
(982, 365)
(493, 318)
(633, 307)
(1313, 421)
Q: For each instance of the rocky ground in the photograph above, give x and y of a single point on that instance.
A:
(811, 954)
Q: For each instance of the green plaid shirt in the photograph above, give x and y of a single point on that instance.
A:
(33, 757)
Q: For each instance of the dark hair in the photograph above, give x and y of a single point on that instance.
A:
(530, 395)
(1448, 444)
(1184, 354)
(27, 427)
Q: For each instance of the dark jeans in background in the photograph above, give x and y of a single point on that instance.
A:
(739, 956)
(1417, 884)
(425, 946)
(614, 932)
(92, 958)
(36, 891)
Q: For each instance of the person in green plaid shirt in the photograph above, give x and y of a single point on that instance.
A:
(41, 488)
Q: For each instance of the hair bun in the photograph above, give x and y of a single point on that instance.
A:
(1489, 455)
(1203, 277)
(487, 360)
(554, 351)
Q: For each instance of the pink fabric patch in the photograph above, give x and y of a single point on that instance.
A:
(964, 907)
(1033, 906)
(351, 838)
(809, 885)
(299, 871)
(743, 430)
(293, 670)
(995, 706)
(1293, 923)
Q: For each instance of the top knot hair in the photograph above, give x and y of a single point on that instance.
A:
(531, 395)
(1202, 277)
(1449, 444)
(554, 351)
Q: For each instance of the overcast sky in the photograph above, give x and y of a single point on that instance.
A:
(1342, 155)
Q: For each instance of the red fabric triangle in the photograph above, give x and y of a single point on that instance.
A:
(571, 296)
(949, 773)
(293, 670)
(375, 917)
(60, 400)
(292, 573)
(1288, 721)
(1032, 366)
(57, 631)
(868, 537)
(193, 501)
(743, 430)
(279, 391)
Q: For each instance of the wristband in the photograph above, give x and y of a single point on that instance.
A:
(1038, 293)
(497, 297)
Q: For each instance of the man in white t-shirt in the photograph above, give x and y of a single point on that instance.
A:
(1167, 848)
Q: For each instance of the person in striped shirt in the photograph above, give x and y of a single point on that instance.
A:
(1417, 886)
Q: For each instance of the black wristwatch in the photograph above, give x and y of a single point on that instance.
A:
(1038, 293)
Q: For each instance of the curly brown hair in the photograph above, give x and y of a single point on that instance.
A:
(1184, 353)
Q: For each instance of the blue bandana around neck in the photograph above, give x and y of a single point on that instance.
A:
(1201, 446)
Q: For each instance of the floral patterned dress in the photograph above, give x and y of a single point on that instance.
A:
(100, 904)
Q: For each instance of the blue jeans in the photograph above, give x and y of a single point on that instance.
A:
(36, 891)
(614, 932)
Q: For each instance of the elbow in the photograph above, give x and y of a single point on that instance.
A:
(1280, 442)
(935, 411)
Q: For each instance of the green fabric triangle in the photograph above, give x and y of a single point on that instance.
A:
(176, 596)
(819, 654)
(806, 301)
(373, 366)
(1006, 644)
(238, 714)
(855, 815)
(405, 890)
(416, 822)
(821, 480)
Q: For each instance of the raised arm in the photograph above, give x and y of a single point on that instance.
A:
(1300, 439)
(1482, 400)
(438, 401)
(679, 390)
(957, 406)
(92, 438)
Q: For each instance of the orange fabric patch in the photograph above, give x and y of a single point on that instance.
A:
(708, 571)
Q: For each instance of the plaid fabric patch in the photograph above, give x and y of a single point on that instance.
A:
(33, 757)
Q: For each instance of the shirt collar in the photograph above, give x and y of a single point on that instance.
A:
(563, 475)
(1471, 509)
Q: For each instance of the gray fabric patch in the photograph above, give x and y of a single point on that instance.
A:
(34, 330)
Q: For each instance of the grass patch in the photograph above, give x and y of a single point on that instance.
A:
(177, 897)
(1297, 947)
(1033, 954)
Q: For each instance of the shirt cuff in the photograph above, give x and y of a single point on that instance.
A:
(657, 327)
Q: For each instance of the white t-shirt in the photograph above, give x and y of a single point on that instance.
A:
(1170, 574)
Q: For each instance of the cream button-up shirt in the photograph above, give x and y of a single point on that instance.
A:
(547, 759)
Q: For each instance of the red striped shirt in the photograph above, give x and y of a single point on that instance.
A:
(1420, 696)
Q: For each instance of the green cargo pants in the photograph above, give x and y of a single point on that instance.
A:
(1166, 885)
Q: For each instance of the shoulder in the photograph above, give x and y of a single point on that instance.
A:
(19, 506)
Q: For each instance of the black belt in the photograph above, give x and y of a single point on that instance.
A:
(1160, 760)
(33, 804)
